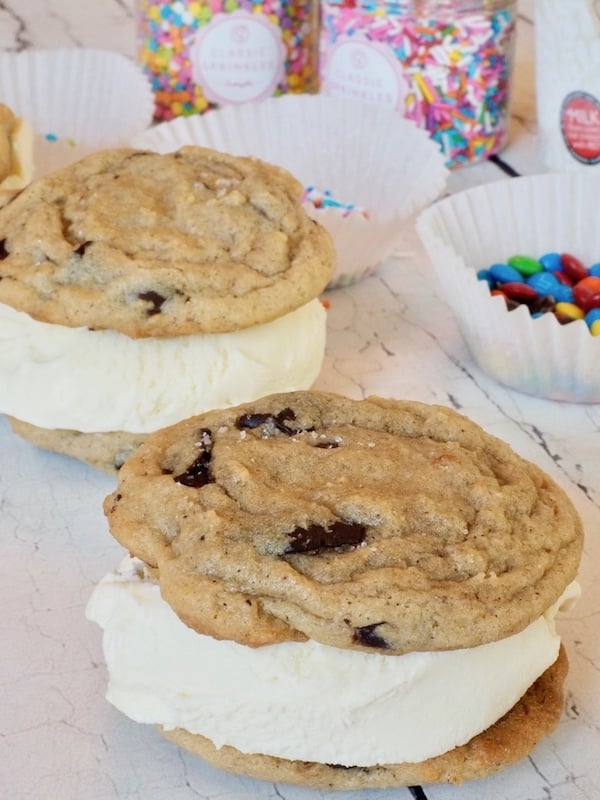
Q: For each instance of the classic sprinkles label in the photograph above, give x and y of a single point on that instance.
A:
(359, 69)
(238, 57)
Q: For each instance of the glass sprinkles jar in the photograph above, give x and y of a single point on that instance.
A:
(200, 54)
(446, 65)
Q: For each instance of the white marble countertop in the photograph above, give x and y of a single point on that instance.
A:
(390, 335)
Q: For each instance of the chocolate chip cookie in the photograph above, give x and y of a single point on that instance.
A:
(378, 525)
(162, 245)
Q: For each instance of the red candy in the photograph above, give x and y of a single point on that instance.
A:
(562, 278)
(586, 293)
(521, 292)
(573, 268)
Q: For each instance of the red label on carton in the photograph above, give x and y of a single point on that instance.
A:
(580, 126)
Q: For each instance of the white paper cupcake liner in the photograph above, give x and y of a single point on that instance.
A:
(76, 100)
(379, 162)
(533, 215)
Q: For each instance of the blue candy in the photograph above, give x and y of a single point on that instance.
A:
(595, 270)
(592, 316)
(544, 282)
(551, 262)
(563, 293)
(502, 273)
(484, 275)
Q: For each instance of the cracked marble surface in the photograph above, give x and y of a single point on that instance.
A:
(390, 335)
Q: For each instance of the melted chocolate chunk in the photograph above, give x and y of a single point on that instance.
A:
(284, 416)
(317, 538)
(79, 251)
(327, 445)
(3, 251)
(155, 299)
(368, 637)
(278, 421)
(198, 473)
(251, 421)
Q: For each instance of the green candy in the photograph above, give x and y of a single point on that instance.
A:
(525, 265)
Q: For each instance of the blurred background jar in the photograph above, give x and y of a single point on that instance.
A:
(446, 65)
(568, 83)
(200, 54)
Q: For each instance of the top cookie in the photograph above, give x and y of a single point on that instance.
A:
(378, 525)
(161, 245)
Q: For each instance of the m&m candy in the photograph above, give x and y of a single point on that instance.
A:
(553, 283)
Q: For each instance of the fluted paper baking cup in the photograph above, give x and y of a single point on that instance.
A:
(378, 162)
(76, 100)
(532, 215)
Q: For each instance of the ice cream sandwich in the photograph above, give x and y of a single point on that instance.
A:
(339, 593)
(138, 289)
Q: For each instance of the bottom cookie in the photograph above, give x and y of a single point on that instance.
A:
(104, 451)
(514, 736)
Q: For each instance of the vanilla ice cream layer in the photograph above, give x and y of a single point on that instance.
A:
(53, 376)
(307, 701)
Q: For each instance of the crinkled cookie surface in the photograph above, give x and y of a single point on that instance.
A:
(378, 525)
(160, 245)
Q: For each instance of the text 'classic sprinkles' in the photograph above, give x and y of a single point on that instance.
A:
(448, 69)
(557, 283)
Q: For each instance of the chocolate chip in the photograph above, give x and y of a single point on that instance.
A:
(327, 445)
(251, 421)
(287, 415)
(3, 251)
(278, 421)
(367, 637)
(79, 251)
(317, 538)
(155, 299)
(198, 473)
